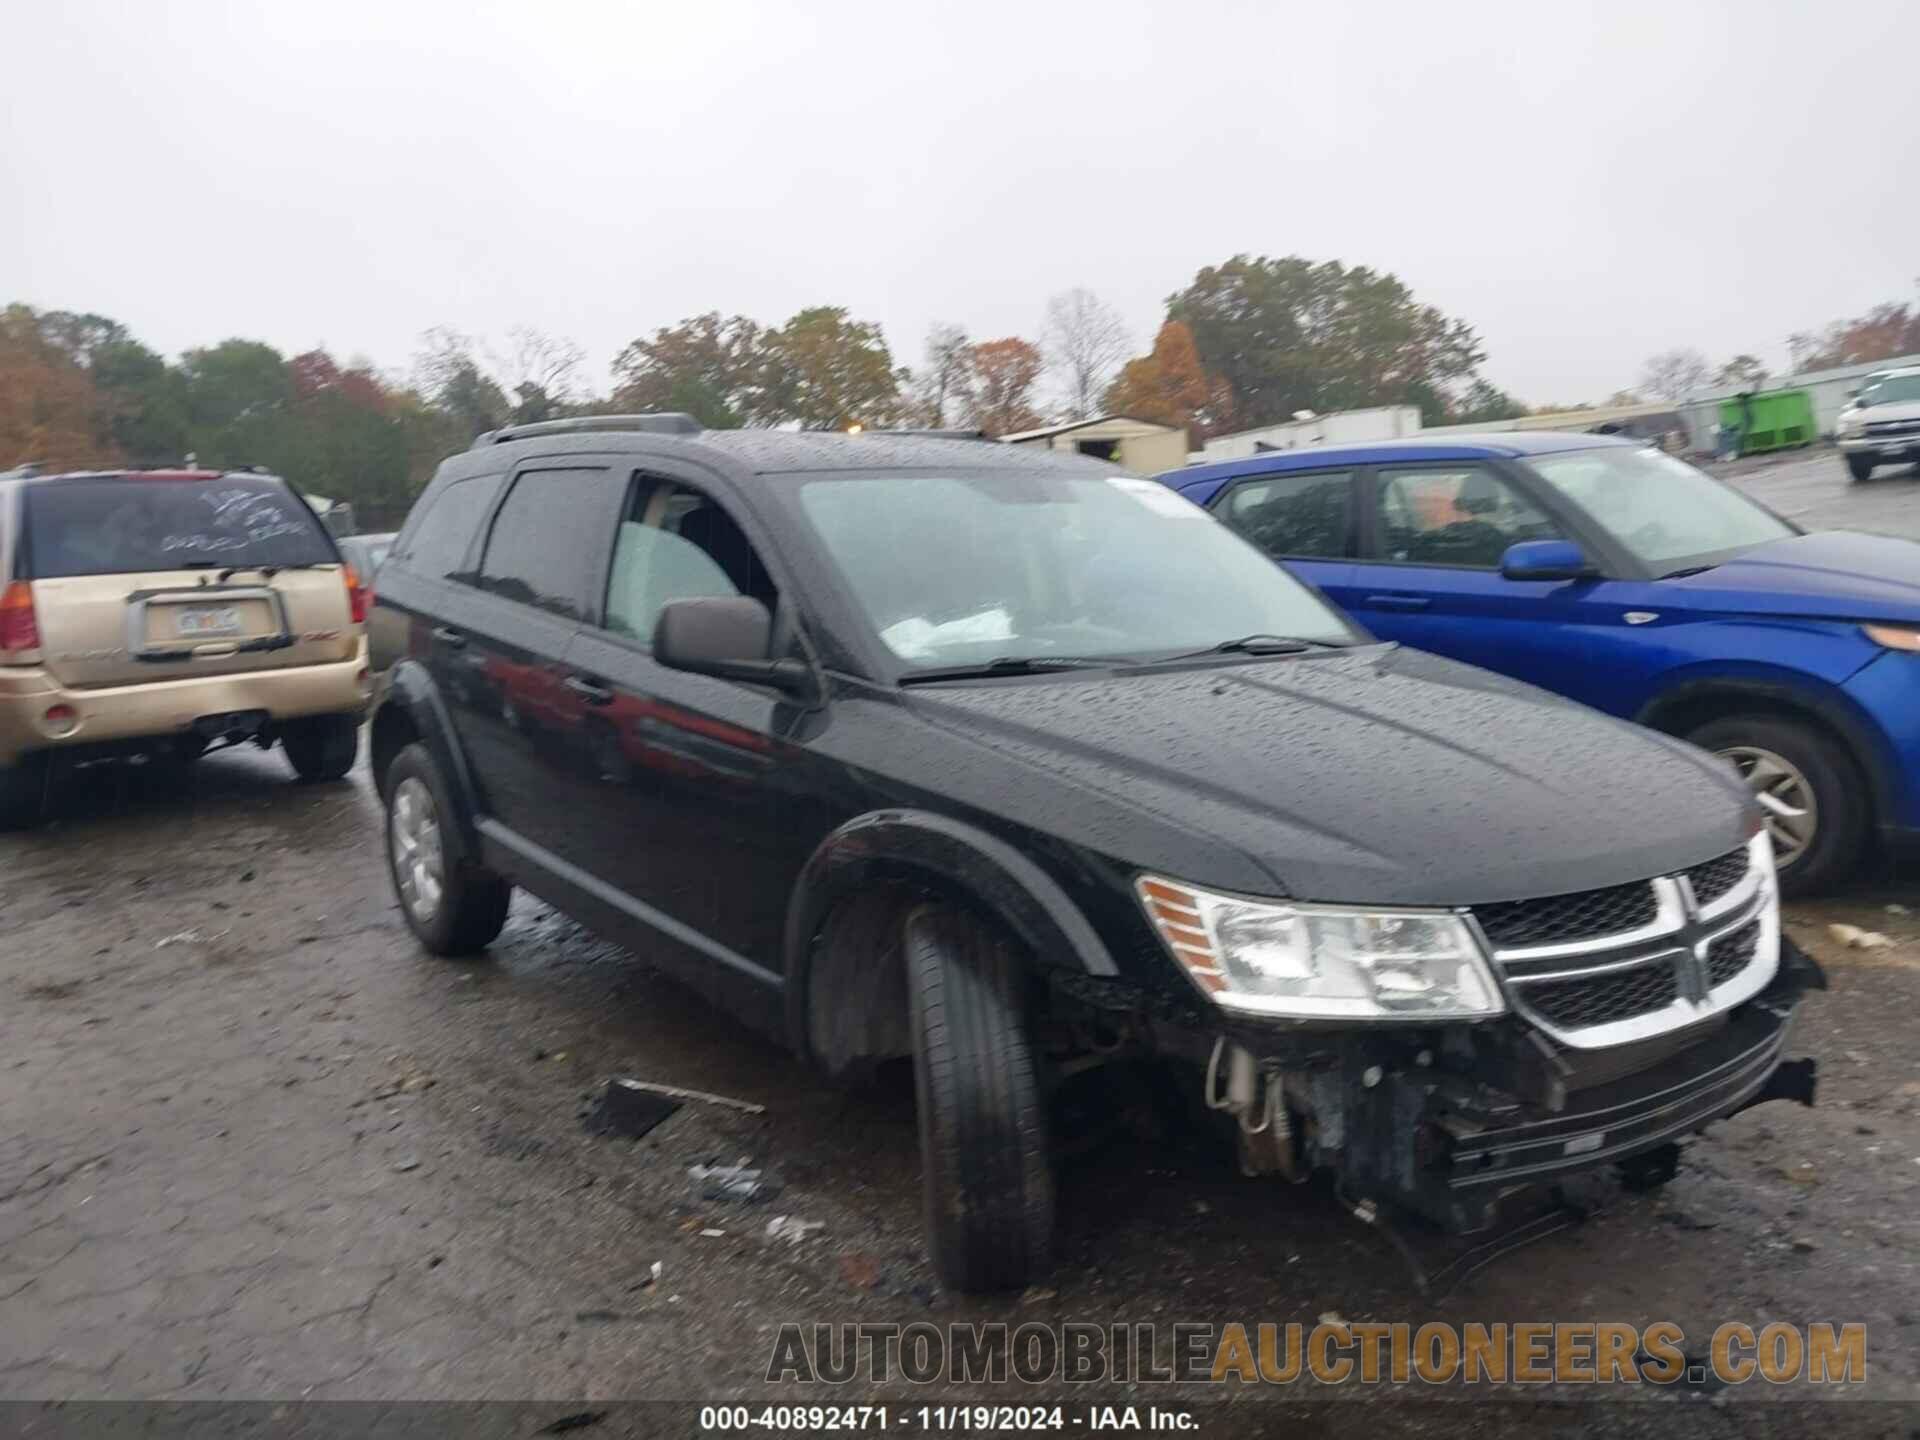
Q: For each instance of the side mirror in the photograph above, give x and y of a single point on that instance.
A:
(726, 637)
(1546, 560)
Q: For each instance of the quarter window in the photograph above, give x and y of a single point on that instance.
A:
(676, 544)
(438, 545)
(1465, 516)
(544, 539)
(1295, 515)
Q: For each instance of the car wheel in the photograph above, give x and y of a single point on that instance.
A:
(1811, 794)
(452, 905)
(322, 748)
(1860, 466)
(23, 791)
(986, 1172)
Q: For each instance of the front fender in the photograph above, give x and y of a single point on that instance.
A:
(919, 849)
(413, 702)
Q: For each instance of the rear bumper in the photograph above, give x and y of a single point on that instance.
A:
(163, 708)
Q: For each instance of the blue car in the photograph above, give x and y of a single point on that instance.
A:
(1609, 572)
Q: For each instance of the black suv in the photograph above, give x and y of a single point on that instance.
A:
(1013, 764)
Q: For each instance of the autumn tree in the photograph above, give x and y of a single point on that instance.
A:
(939, 386)
(1291, 334)
(1169, 385)
(1673, 375)
(1086, 341)
(1882, 333)
(825, 371)
(50, 410)
(1001, 377)
(707, 367)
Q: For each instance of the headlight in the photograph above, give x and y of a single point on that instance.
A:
(1847, 422)
(1894, 637)
(1321, 962)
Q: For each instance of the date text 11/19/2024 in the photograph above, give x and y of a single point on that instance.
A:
(937, 1419)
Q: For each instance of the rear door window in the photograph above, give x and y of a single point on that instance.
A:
(1294, 516)
(125, 524)
(549, 540)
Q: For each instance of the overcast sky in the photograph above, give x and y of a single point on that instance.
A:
(1583, 184)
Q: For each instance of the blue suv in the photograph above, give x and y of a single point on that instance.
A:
(1626, 579)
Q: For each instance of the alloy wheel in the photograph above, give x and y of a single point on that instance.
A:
(419, 866)
(1787, 800)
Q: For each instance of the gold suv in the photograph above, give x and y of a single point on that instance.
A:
(167, 612)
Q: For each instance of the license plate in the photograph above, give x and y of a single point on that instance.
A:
(224, 620)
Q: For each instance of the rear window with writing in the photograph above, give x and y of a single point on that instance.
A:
(124, 524)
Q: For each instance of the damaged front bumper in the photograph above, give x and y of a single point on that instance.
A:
(1449, 1128)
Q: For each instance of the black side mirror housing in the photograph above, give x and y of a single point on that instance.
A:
(728, 638)
(1546, 560)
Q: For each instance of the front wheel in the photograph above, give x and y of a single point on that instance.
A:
(322, 748)
(1860, 466)
(1810, 792)
(986, 1171)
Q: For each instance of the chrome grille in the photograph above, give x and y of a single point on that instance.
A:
(1558, 919)
(1716, 878)
(1608, 967)
(1602, 999)
(1731, 954)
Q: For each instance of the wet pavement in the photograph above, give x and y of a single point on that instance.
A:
(254, 1143)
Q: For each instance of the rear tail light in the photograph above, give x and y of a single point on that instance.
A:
(19, 628)
(359, 597)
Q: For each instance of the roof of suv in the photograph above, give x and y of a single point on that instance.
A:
(1436, 447)
(772, 452)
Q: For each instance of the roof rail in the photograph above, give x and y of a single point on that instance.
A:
(933, 434)
(667, 422)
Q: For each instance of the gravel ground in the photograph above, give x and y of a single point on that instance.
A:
(254, 1144)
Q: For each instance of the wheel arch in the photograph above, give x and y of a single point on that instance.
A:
(1684, 708)
(414, 710)
(850, 903)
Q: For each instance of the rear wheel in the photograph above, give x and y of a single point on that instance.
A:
(1860, 466)
(1810, 792)
(986, 1172)
(322, 748)
(23, 791)
(452, 905)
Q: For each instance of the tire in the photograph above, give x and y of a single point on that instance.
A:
(1860, 466)
(986, 1173)
(323, 748)
(1790, 760)
(464, 907)
(23, 791)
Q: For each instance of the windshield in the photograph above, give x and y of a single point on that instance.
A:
(1894, 390)
(1019, 565)
(124, 524)
(1668, 514)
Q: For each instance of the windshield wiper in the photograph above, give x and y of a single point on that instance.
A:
(1018, 665)
(1260, 645)
(1686, 570)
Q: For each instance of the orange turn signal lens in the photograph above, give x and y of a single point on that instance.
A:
(1894, 637)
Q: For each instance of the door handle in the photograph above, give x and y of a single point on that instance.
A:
(1397, 602)
(452, 639)
(588, 690)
